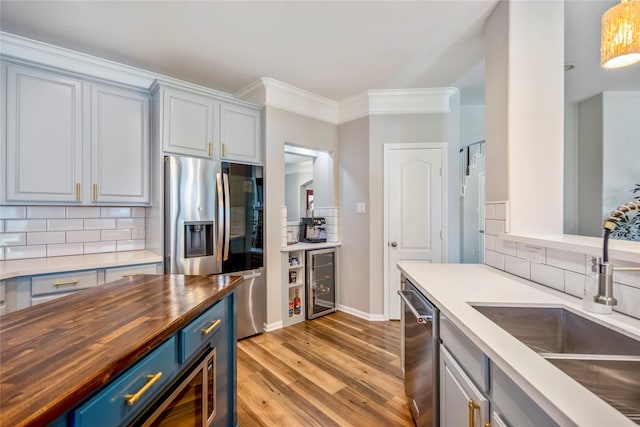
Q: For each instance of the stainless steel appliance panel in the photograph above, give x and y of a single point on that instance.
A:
(251, 298)
(191, 228)
(420, 322)
(321, 282)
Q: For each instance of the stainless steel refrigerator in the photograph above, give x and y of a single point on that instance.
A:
(214, 224)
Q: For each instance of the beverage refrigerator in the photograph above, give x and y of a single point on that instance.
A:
(321, 282)
(214, 224)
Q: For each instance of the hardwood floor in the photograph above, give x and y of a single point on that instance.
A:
(337, 370)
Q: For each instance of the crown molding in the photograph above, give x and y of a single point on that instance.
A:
(274, 93)
(37, 53)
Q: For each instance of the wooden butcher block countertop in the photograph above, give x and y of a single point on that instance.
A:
(55, 354)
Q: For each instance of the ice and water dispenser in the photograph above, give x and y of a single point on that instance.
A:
(198, 239)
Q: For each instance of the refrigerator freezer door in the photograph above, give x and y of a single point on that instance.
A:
(190, 216)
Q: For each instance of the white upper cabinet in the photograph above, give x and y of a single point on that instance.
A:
(188, 123)
(240, 133)
(202, 124)
(119, 145)
(44, 136)
(73, 141)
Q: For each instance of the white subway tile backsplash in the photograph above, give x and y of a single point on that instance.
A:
(506, 247)
(494, 259)
(517, 266)
(123, 234)
(129, 222)
(629, 278)
(13, 212)
(115, 212)
(1, 225)
(13, 239)
(99, 224)
(138, 233)
(138, 212)
(99, 247)
(83, 212)
(20, 252)
(489, 242)
(548, 276)
(494, 227)
(500, 211)
(628, 299)
(571, 261)
(129, 245)
(83, 236)
(489, 211)
(65, 249)
(65, 224)
(574, 283)
(45, 237)
(18, 225)
(45, 212)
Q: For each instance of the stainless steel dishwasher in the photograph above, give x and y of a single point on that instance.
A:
(420, 322)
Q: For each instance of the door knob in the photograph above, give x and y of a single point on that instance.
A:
(393, 244)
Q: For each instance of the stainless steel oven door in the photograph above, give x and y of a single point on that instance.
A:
(193, 401)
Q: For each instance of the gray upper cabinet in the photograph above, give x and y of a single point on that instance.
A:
(202, 124)
(44, 142)
(188, 123)
(119, 145)
(73, 141)
(240, 134)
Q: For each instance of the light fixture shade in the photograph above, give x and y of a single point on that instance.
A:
(620, 44)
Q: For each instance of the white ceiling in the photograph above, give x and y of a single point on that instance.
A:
(334, 49)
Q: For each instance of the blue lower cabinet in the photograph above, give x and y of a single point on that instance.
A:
(202, 330)
(130, 393)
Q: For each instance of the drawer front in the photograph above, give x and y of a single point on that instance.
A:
(110, 407)
(45, 298)
(117, 273)
(201, 330)
(473, 361)
(63, 282)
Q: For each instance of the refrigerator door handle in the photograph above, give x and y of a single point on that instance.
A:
(221, 210)
(227, 216)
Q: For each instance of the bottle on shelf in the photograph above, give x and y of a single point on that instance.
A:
(297, 309)
(291, 304)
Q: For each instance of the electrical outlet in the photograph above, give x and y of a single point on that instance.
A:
(532, 253)
(361, 208)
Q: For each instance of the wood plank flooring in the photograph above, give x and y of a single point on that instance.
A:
(337, 370)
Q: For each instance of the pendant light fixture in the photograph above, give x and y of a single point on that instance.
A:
(620, 43)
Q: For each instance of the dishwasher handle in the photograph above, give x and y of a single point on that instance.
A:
(427, 312)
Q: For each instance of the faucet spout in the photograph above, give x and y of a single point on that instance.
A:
(605, 285)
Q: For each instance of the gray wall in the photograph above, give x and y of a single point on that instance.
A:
(355, 283)
(590, 167)
(285, 127)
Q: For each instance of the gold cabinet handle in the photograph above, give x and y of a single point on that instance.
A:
(132, 274)
(95, 191)
(66, 282)
(151, 380)
(77, 191)
(210, 149)
(472, 408)
(208, 330)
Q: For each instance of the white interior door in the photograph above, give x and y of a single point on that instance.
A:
(414, 211)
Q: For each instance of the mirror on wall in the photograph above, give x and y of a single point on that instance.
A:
(602, 126)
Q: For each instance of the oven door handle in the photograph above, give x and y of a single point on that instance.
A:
(420, 318)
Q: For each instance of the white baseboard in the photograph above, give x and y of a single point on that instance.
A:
(362, 314)
(268, 327)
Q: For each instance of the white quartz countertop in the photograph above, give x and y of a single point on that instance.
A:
(454, 288)
(310, 246)
(33, 266)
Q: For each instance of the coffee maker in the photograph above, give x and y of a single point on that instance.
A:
(312, 230)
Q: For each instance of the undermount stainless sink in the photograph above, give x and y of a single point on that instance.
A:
(603, 360)
(558, 330)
